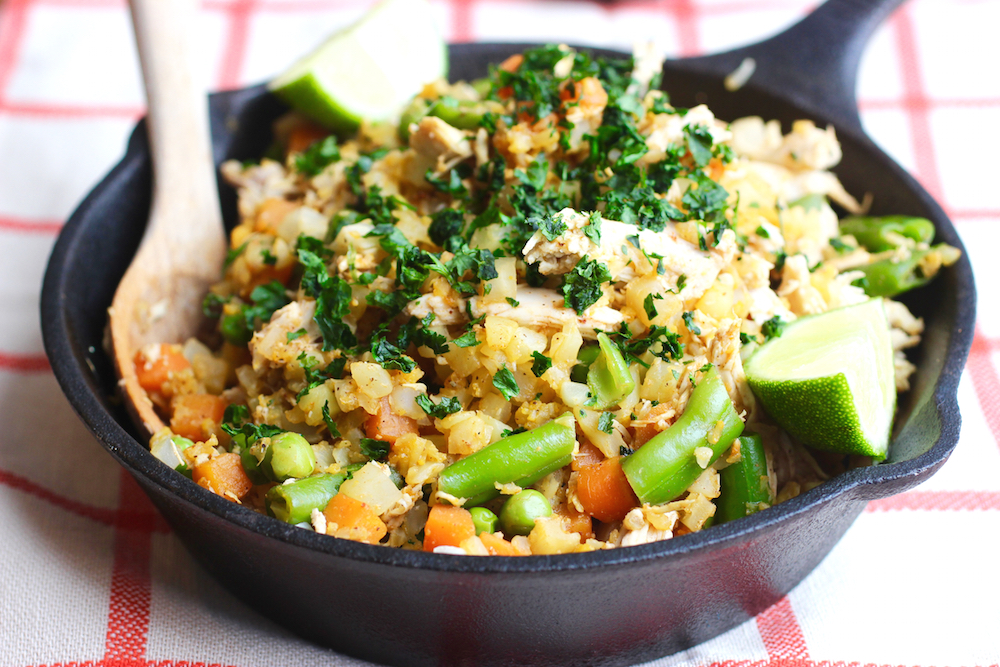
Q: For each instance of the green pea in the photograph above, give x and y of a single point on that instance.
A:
(484, 520)
(288, 456)
(520, 511)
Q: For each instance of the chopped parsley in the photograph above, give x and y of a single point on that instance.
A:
(388, 355)
(649, 306)
(582, 287)
(448, 405)
(315, 377)
(445, 224)
(699, 142)
(660, 341)
(332, 294)
(237, 423)
(606, 422)
(317, 157)
(468, 339)
(328, 420)
(376, 450)
(540, 364)
(450, 184)
(773, 328)
(688, 318)
(504, 381)
(593, 228)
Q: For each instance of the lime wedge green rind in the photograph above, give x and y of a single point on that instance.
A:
(370, 70)
(829, 380)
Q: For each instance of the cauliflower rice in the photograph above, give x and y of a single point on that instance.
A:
(412, 295)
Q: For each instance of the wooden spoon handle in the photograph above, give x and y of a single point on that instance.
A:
(178, 114)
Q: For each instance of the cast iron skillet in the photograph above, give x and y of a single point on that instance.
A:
(617, 606)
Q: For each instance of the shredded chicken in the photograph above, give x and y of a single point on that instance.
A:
(545, 309)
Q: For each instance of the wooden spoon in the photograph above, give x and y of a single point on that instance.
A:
(184, 246)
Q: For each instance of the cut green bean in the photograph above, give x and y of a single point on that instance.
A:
(588, 354)
(887, 232)
(482, 86)
(579, 373)
(609, 377)
(517, 517)
(484, 520)
(288, 456)
(745, 488)
(888, 277)
(458, 113)
(294, 502)
(413, 113)
(665, 466)
(522, 459)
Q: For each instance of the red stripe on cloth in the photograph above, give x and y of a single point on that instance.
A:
(461, 20)
(985, 380)
(782, 635)
(54, 110)
(8, 224)
(941, 501)
(13, 18)
(896, 103)
(235, 47)
(23, 363)
(128, 606)
(974, 213)
(25, 485)
(685, 13)
(915, 101)
(108, 517)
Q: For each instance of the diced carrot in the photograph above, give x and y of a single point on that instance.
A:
(223, 475)
(304, 135)
(197, 416)
(512, 63)
(605, 492)
(497, 546)
(270, 213)
(387, 425)
(587, 455)
(156, 365)
(645, 430)
(716, 168)
(576, 522)
(354, 520)
(643, 434)
(447, 526)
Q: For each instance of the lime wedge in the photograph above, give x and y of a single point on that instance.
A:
(368, 70)
(829, 379)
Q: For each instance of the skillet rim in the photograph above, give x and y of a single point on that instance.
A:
(68, 362)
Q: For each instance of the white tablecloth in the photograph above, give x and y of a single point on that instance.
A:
(89, 573)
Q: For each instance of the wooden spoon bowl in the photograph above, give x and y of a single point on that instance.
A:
(184, 246)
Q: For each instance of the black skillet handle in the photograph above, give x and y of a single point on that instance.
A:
(814, 63)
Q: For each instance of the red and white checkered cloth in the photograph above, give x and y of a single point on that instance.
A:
(91, 575)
